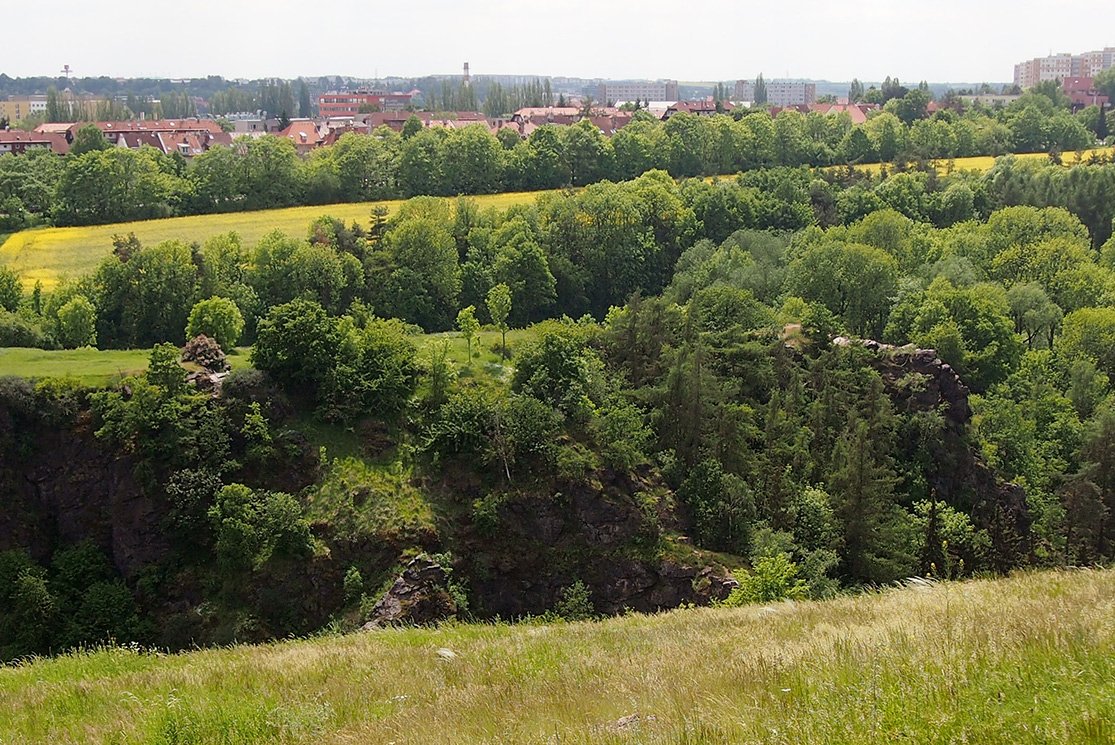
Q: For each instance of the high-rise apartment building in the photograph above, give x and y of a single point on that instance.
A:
(638, 90)
(1060, 66)
(779, 92)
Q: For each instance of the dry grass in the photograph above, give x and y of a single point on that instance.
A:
(1027, 659)
(49, 255)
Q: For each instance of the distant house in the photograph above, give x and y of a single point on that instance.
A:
(18, 142)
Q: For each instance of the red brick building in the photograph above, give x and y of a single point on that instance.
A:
(1082, 92)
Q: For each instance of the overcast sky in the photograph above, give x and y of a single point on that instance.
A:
(935, 40)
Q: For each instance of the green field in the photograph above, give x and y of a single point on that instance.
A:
(1029, 659)
(98, 367)
(49, 255)
(90, 366)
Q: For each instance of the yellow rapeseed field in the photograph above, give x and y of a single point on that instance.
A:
(49, 255)
(985, 162)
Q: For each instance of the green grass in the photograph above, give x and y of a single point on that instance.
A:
(49, 255)
(1027, 659)
(98, 367)
(90, 366)
(359, 499)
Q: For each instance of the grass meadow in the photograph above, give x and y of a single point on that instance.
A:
(92, 367)
(49, 255)
(101, 367)
(1026, 659)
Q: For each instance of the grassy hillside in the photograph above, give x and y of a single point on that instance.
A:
(1021, 660)
(90, 366)
(50, 254)
(96, 367)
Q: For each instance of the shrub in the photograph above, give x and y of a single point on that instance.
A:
(771, 578)
(252, 526)
(206, 352)
(574, 603)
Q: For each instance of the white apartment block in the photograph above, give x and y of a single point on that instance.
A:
(779, 92)
(638, 90)
(1060, 66)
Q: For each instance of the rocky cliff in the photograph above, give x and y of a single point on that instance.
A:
(917, 380)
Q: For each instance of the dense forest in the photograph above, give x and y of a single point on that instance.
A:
(97, 184)
(692, 391)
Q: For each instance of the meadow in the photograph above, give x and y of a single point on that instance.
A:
(1025, 659)
(94, 367)
(97, 367)
(49, 255)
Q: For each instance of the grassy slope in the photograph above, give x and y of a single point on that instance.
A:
(96, 367)
(90, 366)
(51, 254)
(1020, 660)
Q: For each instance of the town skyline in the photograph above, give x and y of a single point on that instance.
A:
(799, 39)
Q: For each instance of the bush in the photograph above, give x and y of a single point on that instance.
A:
(16, 331)
(771, 578)
(206, 352)
(252, 526)
(574, 603)
(219, 319)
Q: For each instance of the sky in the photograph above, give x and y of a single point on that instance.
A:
(687, 40)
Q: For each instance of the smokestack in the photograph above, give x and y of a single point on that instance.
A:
(468, 79)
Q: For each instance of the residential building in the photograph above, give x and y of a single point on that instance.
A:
(17, 108)
(1029, 73)
(637, 90)
(17, 142)
(350, 103)
(706, 107)
(1082, 92)
(779, 92)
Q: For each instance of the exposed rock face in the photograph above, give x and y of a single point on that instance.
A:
(420, 595)
(918, 380)
(602, 530)
(71, 488)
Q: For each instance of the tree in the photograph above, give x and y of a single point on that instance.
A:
(77, 323)
(305, 105)
(760, 94)
(11, 291)
(854, 281)
(164, 370)
(87, 139)
(422, 273)
(499, 307)
(219, 319)
(297, 343)
(468, 326)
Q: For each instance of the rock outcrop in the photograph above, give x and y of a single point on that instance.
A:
(918, 380)
(419, 596)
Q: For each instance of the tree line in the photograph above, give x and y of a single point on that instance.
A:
(96, 184)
